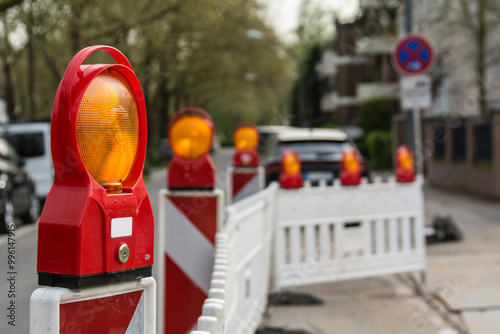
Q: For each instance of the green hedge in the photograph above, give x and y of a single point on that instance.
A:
(378, 143)
(376, 114)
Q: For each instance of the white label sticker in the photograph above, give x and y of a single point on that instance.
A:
(121, 227)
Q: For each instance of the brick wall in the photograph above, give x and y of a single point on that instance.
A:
(454, 172)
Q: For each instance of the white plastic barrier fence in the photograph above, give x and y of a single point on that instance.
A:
(325, 234)
(240, 280)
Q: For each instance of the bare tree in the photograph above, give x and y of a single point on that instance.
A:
(6, 4)
(480, 19)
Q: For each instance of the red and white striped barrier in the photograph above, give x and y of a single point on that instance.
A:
(185, 247)
(243, 182)
(125, 307)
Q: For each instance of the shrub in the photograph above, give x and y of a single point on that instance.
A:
(376, 114)
(378, 143)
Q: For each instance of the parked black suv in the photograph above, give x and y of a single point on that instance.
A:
(17, 190)
(320, 152)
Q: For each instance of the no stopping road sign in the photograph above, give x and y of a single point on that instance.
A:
(412, 55)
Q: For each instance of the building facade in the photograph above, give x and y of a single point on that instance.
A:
(460, 144)
(454, 74)
(356, 64)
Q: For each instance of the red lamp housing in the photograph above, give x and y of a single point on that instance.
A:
(290, 176)
(350, 174)
(245, 139)
(245, 158)
(190, 133)
(97, 225)
(405, 170)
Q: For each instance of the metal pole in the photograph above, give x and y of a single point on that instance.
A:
(408, 16)
(418, 151)
(413, 127)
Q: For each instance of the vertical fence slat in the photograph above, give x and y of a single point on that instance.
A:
(295, 244)
(324, 241)
(310, 243)
(337, 237)
(380, 236)
(393, 235)
(367, 237)
(419, 233)
(406, 233)
(280, 247)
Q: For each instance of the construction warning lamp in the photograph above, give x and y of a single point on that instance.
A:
(190, 133)
(290, 176)
(405, 170)
(350, 173)
(246, 139)
(97, 225)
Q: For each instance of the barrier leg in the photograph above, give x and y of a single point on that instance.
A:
(126, 307)
(185, 241)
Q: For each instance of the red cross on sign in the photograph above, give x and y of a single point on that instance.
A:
(413, 55)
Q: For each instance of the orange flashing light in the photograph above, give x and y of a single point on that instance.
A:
(350, 174)
(190, 137)
(290, 176)
(405, 170)
(107, 130)
(246, 138)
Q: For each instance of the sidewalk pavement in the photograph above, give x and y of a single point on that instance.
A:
(461, 276)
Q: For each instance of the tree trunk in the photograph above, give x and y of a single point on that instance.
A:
(481, 59)
(31, 68)
(9, 92)
(10, 102)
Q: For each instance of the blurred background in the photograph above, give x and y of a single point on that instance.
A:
(306, 63)
(241, 60)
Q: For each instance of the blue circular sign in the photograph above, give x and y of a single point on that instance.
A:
(412, 55)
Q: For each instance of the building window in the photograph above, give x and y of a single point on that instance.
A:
(459, 151)
(482, 143)
(439, 142)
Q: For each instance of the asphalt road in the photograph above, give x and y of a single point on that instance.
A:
(24, 244)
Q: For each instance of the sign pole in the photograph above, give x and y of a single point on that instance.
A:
(417, 129)
(412, 57)
(412, 116)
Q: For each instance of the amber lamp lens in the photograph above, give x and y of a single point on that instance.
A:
(246, 138)
(351, 162)
(291, 164)
(190, 137)
(405, 159)
(107, 130)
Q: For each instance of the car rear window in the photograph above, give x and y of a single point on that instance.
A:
(316, 150)
(27, 145)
